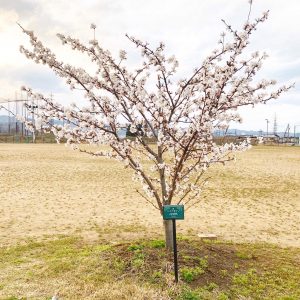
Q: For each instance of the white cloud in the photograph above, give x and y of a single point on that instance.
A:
(190, 30)
(255, 118)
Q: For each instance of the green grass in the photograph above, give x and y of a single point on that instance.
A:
(208, 270)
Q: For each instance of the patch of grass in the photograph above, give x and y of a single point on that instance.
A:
(138, 259)
(156, 276)
(191, 274)
(119, 265)
(158, 244)
(281, 283)
(223, 296)
(244, 255)
(210, 271)
(102, 248)
(189, 294)
(202, 293)
(14, 298)
(135, 247)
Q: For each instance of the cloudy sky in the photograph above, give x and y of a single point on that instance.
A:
(190, 29)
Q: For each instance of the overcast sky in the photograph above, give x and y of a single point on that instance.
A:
(190, 30)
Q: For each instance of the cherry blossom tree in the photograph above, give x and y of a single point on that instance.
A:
(180, 116)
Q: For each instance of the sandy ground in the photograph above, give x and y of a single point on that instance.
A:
(49, 189)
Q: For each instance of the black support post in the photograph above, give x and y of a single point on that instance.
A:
(175, 250)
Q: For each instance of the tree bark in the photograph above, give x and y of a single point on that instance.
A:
(168, 234)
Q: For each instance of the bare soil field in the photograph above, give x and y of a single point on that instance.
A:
(48, 190)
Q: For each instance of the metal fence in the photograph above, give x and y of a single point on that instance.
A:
(11, 129)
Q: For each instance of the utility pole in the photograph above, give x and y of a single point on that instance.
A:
(8, 118)
(275, 125)
(267, 129)
(295, 126)
(16, 121)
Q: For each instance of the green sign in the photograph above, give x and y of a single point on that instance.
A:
(173, 212)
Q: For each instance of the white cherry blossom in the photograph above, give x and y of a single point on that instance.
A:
(179, 117)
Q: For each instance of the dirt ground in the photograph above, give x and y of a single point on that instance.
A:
(47, 190)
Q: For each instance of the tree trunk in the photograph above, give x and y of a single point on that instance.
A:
(168, 234)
